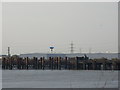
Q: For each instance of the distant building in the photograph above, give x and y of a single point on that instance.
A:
(31, 55)
(46, 55)
(90, 55)
(2, 56)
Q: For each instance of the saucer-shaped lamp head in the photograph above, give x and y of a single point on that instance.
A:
(51, 47)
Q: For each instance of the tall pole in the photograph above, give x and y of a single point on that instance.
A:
(8, 51)
(71, 47)
(51, 49)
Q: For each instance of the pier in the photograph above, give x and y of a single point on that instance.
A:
(59, 63)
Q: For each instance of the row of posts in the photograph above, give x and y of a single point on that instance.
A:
(56, 63)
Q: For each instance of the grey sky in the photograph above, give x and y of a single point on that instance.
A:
(0, 27)
(33, 27)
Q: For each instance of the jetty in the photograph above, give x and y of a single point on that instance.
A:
(58, 63)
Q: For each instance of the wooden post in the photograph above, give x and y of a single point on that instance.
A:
(66, 62)
(49, 61)
(3, 63)
(104, 65)
(93, 65)
(77, 61)
(27, 63)
(84, 67)
(36, 62)
(59, 63)
(39, 63)
(43, 63)
(10, 63)
(52, 63)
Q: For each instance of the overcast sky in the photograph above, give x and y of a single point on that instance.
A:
(33, 27)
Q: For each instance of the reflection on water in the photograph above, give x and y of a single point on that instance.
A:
(59, 79)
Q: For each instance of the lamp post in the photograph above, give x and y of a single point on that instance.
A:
(51, 49)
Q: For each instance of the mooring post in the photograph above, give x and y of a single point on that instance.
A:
(36, 62)
(40, 62)
(27, 59)
(93, 65)
(33, 62)
(66, 62)
(84, 66)
(17, 63)
(114, 66)
(55, 62)
(22, 60)
(52, 63)
(77, 61)
(10, 63)
(49, 61)
(59, 63)
(43, 63)
(69, 66)
(104, 65)
(3, 63)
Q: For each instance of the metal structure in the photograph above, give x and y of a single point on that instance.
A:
(71, 47)
(8, 51)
